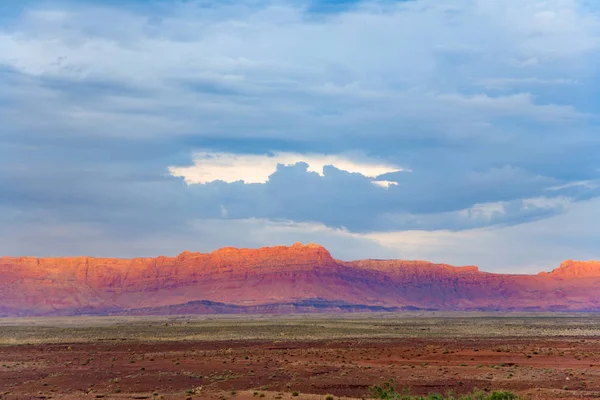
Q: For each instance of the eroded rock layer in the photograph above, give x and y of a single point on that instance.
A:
(280, 279)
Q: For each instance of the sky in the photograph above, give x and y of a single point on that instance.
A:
(455, 131)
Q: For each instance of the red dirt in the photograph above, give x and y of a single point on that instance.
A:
(538, 369)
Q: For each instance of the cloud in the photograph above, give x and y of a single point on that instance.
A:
(204, 235)
(502, 83)
(525, 248)
(235, 70)
(576, 184)
(250, 168)
(385, 184)
(369, 118)
(492, 214)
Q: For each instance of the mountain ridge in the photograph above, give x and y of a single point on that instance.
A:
(260, 279)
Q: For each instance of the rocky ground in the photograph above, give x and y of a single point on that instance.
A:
(305, 358)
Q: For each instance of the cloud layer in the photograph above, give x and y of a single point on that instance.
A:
(251, 168)
(138, 122)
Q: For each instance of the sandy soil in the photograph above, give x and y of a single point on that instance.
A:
(544, 367)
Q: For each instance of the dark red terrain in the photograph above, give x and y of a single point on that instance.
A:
(299, 278)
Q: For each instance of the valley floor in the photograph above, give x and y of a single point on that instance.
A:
(537, 356)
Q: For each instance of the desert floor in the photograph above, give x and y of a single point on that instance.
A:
(539, 356)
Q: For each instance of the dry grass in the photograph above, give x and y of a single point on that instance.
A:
(331, 327)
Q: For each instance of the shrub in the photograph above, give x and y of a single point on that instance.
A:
(503, 396)
(388, 391)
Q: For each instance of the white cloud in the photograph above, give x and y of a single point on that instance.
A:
(525, 248)
(578, 184)
(229, 167)
(555, 203)
(498, 213)
(384, 184)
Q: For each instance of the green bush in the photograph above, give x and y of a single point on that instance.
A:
(502, 396)
(388, 391)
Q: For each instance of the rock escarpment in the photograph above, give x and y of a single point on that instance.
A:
(280, 279)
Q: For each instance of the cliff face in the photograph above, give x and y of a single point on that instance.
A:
(578, 269)
(279, 279)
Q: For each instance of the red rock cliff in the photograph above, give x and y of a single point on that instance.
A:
(278, 275)
(577, 269)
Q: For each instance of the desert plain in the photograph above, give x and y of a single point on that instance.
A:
(536, 356)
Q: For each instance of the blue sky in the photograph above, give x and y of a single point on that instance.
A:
(461, 131)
